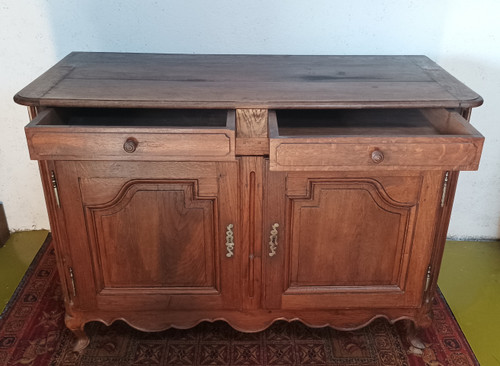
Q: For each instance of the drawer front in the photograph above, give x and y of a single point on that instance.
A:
(328, 155)
(457, 146)
(48, 141)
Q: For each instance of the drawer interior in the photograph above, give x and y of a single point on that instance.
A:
(372, 139)
(132, 134)
(137, 117)
(367, 122)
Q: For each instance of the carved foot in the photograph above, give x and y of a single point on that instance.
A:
(411, 335)
(82, 340)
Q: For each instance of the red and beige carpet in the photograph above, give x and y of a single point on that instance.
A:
(32, 332)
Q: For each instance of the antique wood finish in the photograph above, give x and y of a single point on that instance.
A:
(246, 81)
(350, 240)
(447, 198)
(185, 188)
(312, 143)
(252, 132)
(154, 230)
(250, 238)
(51, 135)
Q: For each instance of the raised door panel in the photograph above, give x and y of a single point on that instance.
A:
(349, 240)
(348, 233)
(167, 231)
(155, 233)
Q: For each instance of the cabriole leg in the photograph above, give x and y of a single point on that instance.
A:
(77, 327)
(411, 335)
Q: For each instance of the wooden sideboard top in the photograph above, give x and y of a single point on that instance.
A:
(246, 81)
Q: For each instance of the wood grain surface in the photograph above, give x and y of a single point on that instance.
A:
(246, 81)
(183, 188)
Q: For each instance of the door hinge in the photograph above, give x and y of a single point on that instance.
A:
(428, 279)
(72, 277)
(445, 188)
(54, 187)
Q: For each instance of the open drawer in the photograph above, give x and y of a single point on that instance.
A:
(372, 139)
(132, 134)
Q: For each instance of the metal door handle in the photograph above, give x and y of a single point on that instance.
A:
(229, 241)
(273, 240)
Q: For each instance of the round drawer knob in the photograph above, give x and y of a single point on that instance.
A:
(130, 145)
(377, 156)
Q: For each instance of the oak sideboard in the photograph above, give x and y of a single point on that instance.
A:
(249, 188)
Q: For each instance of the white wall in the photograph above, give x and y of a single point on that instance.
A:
(461, 36)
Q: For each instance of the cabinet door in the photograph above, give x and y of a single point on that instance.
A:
(349, 240)
(147, 235)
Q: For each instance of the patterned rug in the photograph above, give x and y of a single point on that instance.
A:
(32, 332)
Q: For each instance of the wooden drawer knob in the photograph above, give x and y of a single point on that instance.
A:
(377, 156)
(130, 145)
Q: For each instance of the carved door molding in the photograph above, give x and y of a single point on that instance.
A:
(346, 241)
(335, 242)
(153, 234)
(172, 241)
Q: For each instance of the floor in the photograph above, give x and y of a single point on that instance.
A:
(15, 257)
(469, 280)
